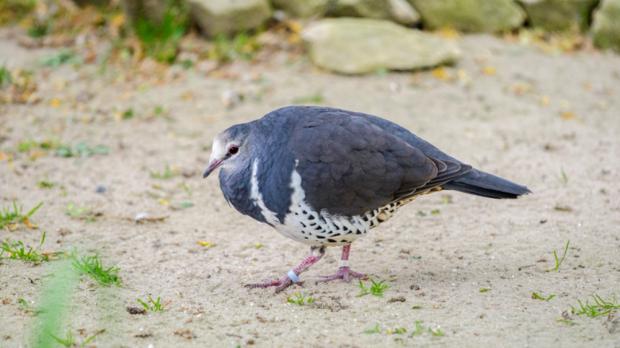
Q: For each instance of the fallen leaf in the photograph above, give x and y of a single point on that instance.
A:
(568, 115)
(55, 103)
(441, 74)
(205, 244)
(489, 70)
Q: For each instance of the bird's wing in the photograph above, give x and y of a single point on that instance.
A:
(349, 165)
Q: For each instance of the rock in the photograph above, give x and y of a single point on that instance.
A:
(302, 8)
(357, 46)
(470, 15)
(229, 16)
(398, 10)
(403, 13)
(606, 25)
(557, 15)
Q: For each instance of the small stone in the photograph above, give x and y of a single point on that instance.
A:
(229, 16)
(135, 310)
(397, 299)
(606, 25)
(358, 46)
(557, 15)
(470, 15)
(302, 8)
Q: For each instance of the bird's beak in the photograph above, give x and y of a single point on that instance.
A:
(211, 167)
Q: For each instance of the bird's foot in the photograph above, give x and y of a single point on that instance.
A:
(279, 284)
(345, 273)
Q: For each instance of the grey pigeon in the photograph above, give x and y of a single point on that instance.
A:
(325, 177)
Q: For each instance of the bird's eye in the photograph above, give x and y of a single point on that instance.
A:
(233, 149)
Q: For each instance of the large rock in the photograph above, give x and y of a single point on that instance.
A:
(606, 25)
(398, 10)
(302, 8)
(558, 15)
(470, 15)
(357, 46)
(229, 16)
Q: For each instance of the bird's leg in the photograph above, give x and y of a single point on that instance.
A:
(344, 272)
(292, 277)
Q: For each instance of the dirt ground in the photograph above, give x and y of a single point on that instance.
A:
(464, 265)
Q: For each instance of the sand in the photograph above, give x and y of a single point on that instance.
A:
(464, 266)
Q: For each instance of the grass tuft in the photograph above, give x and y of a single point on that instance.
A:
(18, 251)
(93, 267)
(559, 260)
(300, 299)
(161, 39)
(599, 308)
(537, 296)
(12, 218)
(152, 305)
(377, 288)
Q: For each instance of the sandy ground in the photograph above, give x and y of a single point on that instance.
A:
(510, 109)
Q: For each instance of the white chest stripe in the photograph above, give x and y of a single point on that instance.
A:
(255, 195)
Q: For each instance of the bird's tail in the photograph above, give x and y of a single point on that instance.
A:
(483, 184)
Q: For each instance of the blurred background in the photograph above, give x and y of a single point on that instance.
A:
(110, 237)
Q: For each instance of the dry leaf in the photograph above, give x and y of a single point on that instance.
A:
(489, 70)
(441, 73)
(568, 115)
(205, 244)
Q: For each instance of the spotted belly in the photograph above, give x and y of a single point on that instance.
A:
(306, 225)
(321, 228)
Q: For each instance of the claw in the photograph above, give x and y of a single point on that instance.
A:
(344, 273)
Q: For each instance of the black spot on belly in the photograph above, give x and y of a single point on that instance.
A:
(313, 224)
(332, 240)
(358, 232)
(335, 234)
(318, 228)
(302, 224)
(311, 217)
(343, 241)
(320, 237)
(345, 228)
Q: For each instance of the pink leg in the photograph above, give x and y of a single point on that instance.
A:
(344, 272)
(316, 253)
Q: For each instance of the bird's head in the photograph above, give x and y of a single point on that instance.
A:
(229, 148)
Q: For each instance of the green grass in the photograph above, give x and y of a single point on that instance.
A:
(81, 150)
(70, 342)
(240, 47)
(396, 331)
(94, 268)
(563, 177)
(300, 299)
(45, 184)
(54, 303)
(559, 260)
(161, 39)
(61, 58)
(599, 308)
(376, 288)
(80, 213)
(316, 98)
(18, 251)
(373, 330)
(537, 296)
(166, 174)
(6, 78)
(152, 305)
(10, 218)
